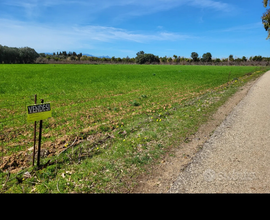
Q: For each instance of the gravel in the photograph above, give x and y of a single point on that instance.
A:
(236, 159)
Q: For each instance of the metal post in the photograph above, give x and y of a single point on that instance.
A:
(39, 139)
(35, 125)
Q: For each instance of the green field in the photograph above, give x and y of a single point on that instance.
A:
(128, 114)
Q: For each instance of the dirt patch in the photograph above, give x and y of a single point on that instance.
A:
(20, 160)
(159, 178)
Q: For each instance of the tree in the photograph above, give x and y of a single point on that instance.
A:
(164, 59)
(113, 59)
(1, 54)
(231, 58)
(266, 18)
(79, 56)
(142, 58)
(238, 60)
(17, 55)
(207, 57)
(194, 56)
(28, 54)
(217, 60)
(257, 58)
(244, 59)
(140, 53)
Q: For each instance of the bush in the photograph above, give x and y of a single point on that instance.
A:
(146, 57)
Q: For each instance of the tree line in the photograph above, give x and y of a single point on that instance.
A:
(17, 55)
(29, 55)
(145, 58)
(70, 57)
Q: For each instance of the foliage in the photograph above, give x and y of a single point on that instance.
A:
(266, 18)
(164, 59)
(17, 55)
(207, 57)
(169, 59)
(194, 56)
(257, 58)
(142, 58)
(135, 103)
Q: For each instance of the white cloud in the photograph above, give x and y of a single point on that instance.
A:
(243, 27)
(139, 8)
(20, 34)
(210, 4)
(101, 33)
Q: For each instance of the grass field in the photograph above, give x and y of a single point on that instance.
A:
(120, 117)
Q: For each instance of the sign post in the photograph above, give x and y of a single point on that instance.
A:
(38, 112)
(35, 125)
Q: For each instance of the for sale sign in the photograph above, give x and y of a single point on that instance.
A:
(39, 112)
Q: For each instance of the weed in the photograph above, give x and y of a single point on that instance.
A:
(144, 96)
(135, 103)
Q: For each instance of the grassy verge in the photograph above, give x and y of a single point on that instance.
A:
(109, 160)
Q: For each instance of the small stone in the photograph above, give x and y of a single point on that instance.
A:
(27, 175)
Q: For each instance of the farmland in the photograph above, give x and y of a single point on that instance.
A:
(116, 119)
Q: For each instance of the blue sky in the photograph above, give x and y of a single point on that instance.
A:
(121, 28)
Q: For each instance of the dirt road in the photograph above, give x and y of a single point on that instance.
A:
(236, 158)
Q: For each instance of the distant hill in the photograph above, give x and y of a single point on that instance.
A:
(89, 55)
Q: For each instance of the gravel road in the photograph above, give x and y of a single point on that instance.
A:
(236, 158)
